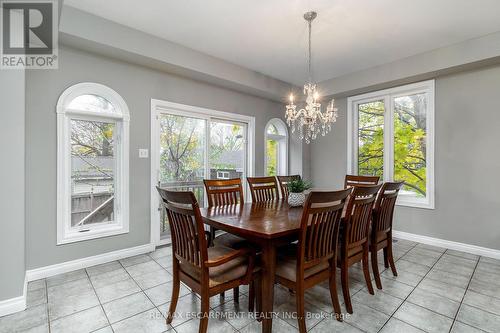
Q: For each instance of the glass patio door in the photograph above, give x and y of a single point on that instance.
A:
(182, 159)
(194, 148)
(227, 150)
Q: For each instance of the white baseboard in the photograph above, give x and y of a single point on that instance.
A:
(15, 304)
(473, 249)
(68, 266)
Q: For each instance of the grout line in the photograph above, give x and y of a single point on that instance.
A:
(143, 291)
(437, 281)
(362, 290)
(483, 310)
(47, 299)
(411, 248)
(463, 297)
(99, 300)
(415, 287)
(227, 301)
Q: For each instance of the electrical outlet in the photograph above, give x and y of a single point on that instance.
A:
(143, 153)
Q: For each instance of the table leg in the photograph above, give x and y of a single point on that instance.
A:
(268, 271)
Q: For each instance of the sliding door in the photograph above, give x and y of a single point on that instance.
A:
(192, 146)
(227, 150)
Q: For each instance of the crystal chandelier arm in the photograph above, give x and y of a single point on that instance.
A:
(293, 114)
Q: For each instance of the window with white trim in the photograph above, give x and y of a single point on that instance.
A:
(92, 163)
(222, 174)
(276, 149)
(392, 136)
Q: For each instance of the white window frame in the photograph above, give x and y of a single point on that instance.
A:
(282, 139)
(387, 96)
(222, 174)
(65, 233)
(159, 107)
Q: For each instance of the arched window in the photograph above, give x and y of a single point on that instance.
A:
(276, 150)
(92, 163)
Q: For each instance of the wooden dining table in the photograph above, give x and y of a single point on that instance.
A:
(269, 225)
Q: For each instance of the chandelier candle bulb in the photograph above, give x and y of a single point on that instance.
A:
(310, 120)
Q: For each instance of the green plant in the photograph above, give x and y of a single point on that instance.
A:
(298, 185)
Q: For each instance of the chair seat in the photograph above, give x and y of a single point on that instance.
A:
(286, 267)
(231, 241)
(351, 252)
(232, 270)
(381, 236)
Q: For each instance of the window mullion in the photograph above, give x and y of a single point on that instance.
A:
(355, 139)
(208, 122)
(388, 138)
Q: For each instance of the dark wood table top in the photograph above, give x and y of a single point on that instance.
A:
(269, 220)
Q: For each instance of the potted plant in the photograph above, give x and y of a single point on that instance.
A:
(296, 187)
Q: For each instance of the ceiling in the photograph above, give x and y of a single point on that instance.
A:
(271, 36)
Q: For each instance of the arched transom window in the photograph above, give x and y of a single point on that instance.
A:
(92, 154)
(276, 159)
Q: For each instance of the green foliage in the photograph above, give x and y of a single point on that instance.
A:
(409, 141)
(371, 139)
(272, 157)
(183, 147)
(181, 142)
(298, 185)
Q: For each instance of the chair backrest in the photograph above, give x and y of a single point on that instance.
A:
(223, 192)
(320, 226)
(283, 181)
(384, 206)
(353, 180)
(359, 214)
(263, 188)
(186, 226)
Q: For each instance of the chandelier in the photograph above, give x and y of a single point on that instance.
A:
(310, 120)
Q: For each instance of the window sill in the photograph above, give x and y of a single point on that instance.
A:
(412, 203)
(73, 237)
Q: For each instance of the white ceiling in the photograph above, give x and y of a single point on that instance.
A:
(270, 36)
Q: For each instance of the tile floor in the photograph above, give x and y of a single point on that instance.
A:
(437, 290)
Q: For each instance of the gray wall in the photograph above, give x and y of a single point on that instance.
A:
(137, 85)
(12, 237)
(467, 163)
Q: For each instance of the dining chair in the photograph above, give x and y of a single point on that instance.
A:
(354, 180)
(283, 182)
(225, 192)
(381, 230)
(263, 188)
(316, 255)
(208, 271)
(354, 236)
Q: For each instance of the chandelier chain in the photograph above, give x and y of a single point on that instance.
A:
(310, 52)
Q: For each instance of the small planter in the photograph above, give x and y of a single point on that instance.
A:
(296, 199)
